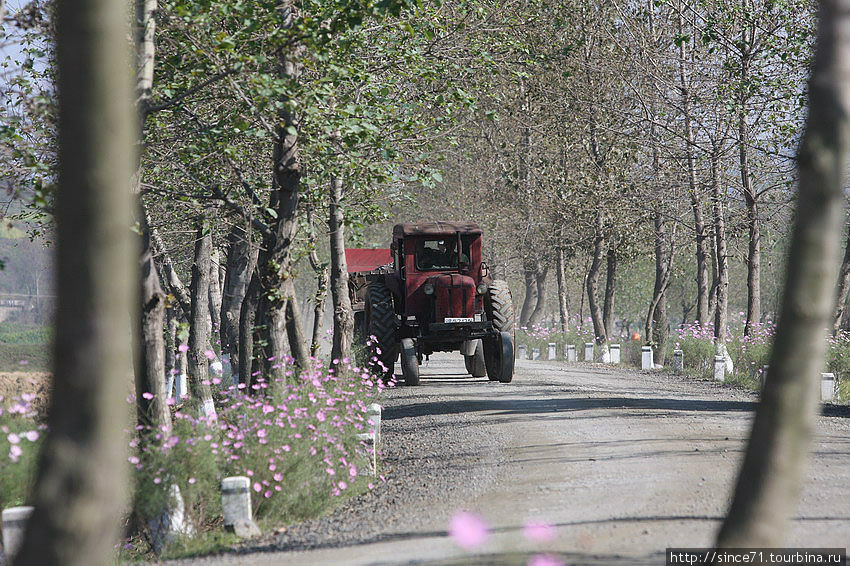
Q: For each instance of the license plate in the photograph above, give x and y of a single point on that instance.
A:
(449, 320)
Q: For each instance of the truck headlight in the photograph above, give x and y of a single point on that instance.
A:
(482, 288)
(428, 288)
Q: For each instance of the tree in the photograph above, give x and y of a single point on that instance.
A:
(81, 484)
(769, 481)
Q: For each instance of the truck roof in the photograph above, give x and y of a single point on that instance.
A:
(437, 228)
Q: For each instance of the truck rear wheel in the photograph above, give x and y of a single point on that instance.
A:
(499, 308)
(475, 365)
(409, 362)
(381, 324)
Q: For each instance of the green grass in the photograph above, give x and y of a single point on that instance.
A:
(17, 333)
(35, 357)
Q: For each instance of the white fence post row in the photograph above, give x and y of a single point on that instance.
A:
(552, 353)
(646, 358)
(720, 368)
(236, 507)
(615, 353)
(522, 352)
(535, 353)
(14, 524)
(571, 353)
(827, 386)
(588, 351)
(678, 361)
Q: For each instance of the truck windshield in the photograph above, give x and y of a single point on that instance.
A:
(441, 254)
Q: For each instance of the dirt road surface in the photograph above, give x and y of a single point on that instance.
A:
(622, 464)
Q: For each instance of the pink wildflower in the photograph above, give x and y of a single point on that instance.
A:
(468, 530)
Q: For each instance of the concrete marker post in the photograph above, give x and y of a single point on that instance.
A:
(371, 449)
(646, 358)
(571, 353)
(827, 387)
(374, 416)
(720, 368)
(535, 354)
(678, 361)
(763, 376)
(552, 354)
(236, 507)
(615, 353)
(14, 524)
(522, 352)
(588, 351)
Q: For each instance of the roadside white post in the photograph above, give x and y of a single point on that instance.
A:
(14, 524)
(827, 386)
(615, 353)
(171, 523)
(374, 415)
(646, 358)
(763, 376)
(588, 351)
(236, 507)
(719, 368)
(535, 353)
(522, 352)
(552, 353)
(571, 353)
(678, 361)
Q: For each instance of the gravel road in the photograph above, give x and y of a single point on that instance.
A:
(623, 464)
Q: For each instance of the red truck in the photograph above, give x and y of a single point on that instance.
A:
(431, 292)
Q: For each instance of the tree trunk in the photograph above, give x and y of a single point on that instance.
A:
(610, 287)
(198, 324)
(770, 478)
(274, 262)
(656, 327)
(321, 271)
(843, 286)
(529, 302)
(215, 294)
(150, 365)
(540, 280)
(247, 324)
(239, 265)
(696, 205)
(81, 489)
(593, 283)
(343, 314)
(563, 303)
(294, 329)
(177, 288)
(721, 319)
(170, 343)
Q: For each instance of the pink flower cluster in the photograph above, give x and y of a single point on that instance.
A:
(471, 532)
(273, 431)
(20, 412)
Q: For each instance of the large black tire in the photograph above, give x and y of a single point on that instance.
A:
(499, 357)
(409, 362)
(381, 323)
(499, 308)
(475, 365)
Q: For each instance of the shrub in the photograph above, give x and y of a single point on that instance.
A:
(296, 440)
